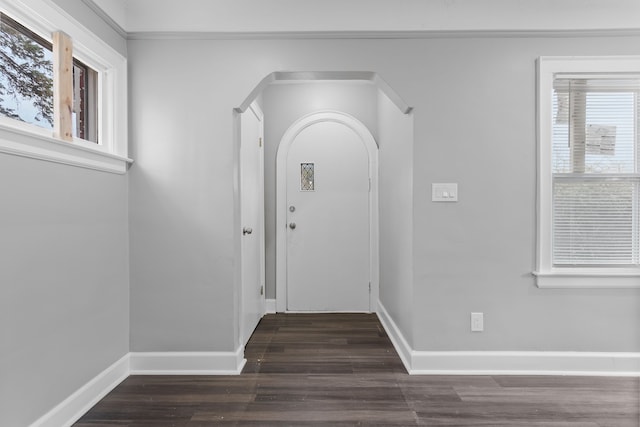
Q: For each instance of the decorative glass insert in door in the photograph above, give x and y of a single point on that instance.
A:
(307, 177)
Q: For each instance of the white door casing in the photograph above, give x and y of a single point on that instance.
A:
(329, 262)
(252, 303)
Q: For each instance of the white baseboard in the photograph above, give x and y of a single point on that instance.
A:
(395, 335)
(270, 306)
(525, 363)
(508, 362)
(187, 363)
(151, 363)
(75, 406)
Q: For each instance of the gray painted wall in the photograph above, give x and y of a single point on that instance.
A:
(64, 277)
(396, 214)
(475, 125)
(474, 117)
(182, 197)
(64, 299)
(283, 104)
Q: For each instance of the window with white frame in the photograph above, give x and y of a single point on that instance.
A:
(62, 89)
(589, 172)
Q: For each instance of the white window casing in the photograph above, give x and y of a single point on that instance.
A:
(110, 154)
(599, 255)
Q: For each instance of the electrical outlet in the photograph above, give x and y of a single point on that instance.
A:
(477, 322)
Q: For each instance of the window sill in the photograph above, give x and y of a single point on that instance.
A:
(37, 143)
(580, 279)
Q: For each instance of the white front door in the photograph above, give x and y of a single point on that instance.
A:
(328, 220)
(252, 220)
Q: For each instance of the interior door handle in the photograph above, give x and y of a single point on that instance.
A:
(247, 230)
(292, 225)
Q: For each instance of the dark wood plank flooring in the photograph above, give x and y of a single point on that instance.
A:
(341, 370)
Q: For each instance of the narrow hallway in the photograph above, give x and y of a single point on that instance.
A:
(321, 344)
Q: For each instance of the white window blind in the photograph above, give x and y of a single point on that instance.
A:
(595, 172)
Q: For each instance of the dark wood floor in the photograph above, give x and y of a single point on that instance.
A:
(341, 370)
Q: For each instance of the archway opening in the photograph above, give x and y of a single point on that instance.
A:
(286, 97)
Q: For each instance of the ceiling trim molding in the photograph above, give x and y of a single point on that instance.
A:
(425, 34)
(106, 18)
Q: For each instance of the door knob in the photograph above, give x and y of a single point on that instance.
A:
(247, 230)
(292, 225)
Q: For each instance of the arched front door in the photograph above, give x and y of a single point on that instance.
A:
(326, 163)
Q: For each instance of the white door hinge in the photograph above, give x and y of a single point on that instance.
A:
(259, 142)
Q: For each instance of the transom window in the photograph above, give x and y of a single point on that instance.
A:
(589, 172)
(26, 82)
(63, 89)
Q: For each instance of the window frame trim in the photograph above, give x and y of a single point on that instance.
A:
(111, 153)
(547, 275)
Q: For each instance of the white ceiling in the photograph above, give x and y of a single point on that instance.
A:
(335, 16)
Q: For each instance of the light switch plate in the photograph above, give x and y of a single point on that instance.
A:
(444, 192)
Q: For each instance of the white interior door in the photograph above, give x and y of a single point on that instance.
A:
(328, 220)
(252, 220)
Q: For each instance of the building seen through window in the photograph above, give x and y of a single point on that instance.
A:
(595, 165)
